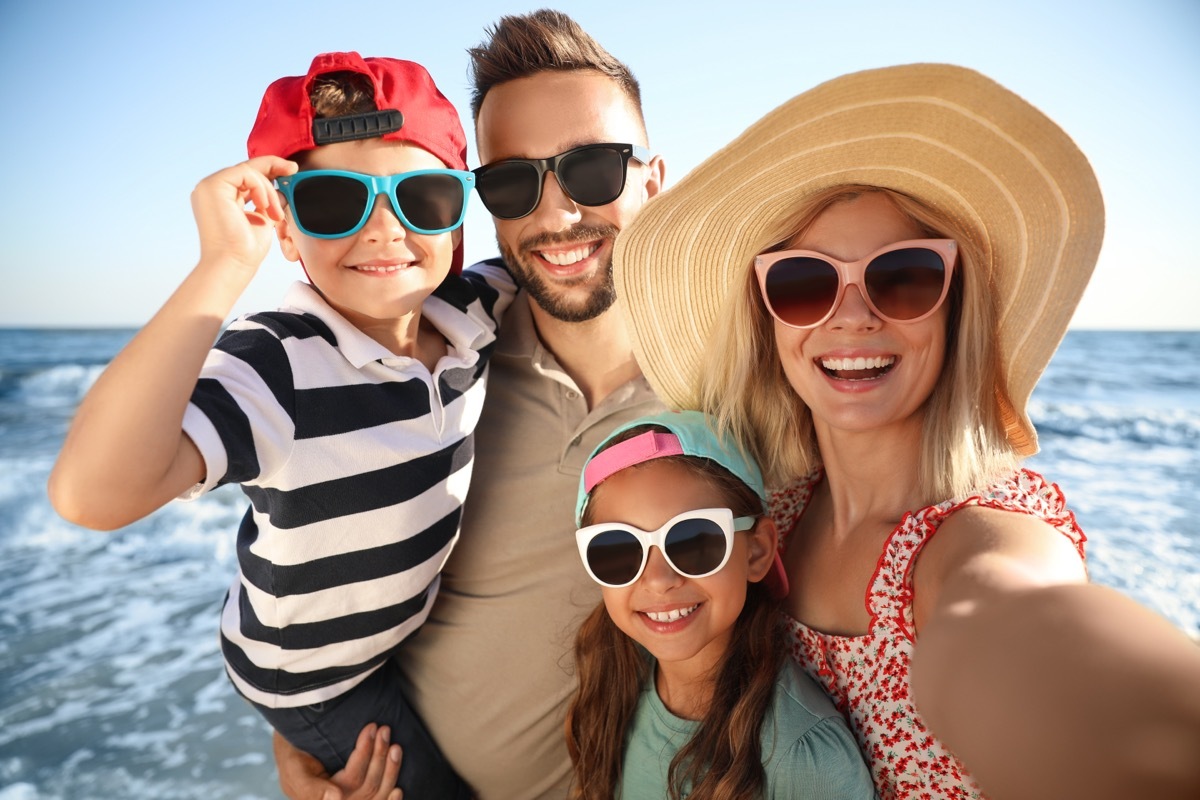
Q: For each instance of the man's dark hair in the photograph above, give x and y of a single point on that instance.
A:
(542, 41)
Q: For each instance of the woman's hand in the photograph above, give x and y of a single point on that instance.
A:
(369, 774)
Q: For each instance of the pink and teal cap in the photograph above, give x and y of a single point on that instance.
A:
(691, 433)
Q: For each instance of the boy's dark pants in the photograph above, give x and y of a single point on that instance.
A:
(328, 731)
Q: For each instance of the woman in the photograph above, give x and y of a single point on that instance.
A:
(865, 287)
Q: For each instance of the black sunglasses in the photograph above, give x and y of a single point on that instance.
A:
(592, 175)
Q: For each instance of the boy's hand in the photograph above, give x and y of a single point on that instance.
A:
(229, 230)
(370, 773)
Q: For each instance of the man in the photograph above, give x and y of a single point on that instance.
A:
(490, 673)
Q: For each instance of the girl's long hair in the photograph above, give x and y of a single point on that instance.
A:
(723, 760)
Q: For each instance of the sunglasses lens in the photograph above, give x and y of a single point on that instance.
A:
(594, 176)
(431, 202)
(801, 290)
(905, 284)
(614, 557)
(696, 546)
(328, 204)
(509, 189)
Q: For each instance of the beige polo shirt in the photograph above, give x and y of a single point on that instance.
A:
(490, 672)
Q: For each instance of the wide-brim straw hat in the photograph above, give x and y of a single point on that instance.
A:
(948, 136)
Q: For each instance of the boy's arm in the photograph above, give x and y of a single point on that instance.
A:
(493, 275)
(126, 454)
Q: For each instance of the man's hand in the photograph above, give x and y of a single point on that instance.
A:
(369, 774)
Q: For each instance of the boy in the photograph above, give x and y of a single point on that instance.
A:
(346, 416)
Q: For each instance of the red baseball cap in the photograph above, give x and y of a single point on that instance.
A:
(409, 109)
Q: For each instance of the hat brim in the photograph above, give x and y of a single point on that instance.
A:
(948, 136)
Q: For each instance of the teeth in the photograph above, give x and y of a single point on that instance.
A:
(391, 268)
(672, 615)
(565, 258)
(838, 364)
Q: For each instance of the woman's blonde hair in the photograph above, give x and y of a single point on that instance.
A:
(964, 447)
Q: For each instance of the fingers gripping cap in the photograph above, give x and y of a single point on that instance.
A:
(690, 435)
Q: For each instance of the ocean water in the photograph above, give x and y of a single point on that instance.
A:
(111, 682)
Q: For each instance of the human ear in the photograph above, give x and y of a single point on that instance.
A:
(656, 175)
(763, 542)
(285, 229)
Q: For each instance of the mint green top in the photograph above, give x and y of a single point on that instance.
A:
(808, 750)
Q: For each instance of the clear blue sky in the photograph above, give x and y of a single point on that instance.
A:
(116, 110)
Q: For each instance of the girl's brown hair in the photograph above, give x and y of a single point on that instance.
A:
(723, 760)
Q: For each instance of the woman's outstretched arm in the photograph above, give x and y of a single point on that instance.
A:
(1044, 685)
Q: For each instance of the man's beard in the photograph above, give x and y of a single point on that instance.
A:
(528, 277)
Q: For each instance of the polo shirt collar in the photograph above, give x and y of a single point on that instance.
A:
(358, 348)
(518, 334)
(464, 331)
(464, 334)
(519, 339)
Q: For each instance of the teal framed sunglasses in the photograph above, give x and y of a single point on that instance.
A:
(334, 203)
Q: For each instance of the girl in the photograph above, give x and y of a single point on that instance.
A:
(684, 689)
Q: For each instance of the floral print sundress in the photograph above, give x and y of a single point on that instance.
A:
(867, 676)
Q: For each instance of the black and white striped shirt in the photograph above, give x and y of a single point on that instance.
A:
(356, 463)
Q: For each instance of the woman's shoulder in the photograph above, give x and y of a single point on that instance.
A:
(1023, 519)
(1025, 498)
